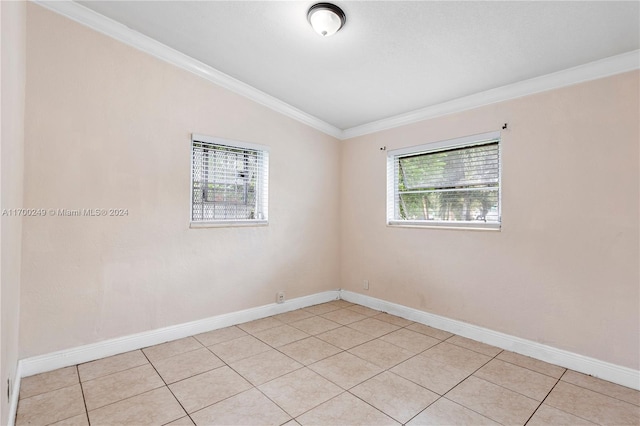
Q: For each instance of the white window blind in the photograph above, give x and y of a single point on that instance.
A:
(229, 181)
(448, 183)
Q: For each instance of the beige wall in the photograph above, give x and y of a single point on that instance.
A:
(12, 90)
(109, 126)
(563, 270)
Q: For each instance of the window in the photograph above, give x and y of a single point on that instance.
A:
(453, 183)
(229, 182)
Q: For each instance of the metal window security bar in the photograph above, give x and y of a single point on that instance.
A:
(449, 183)
(229, 181)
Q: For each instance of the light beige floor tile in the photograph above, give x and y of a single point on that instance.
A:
(430, 331)
(265, 366)
(118, 386)
(345, 370)
(179, 367)
(344, 337)
(291, 422)
(340, 303)
(51, 406)
(322, 308)
(457, 356)
(445, 412)
(156, 407)
(184, 421)
(397, 397)
(493, 401)
(113, 364)
(430, 373)
(381, 353)
(373, 327)
(293, 316)
(206, 389)
(507, 388)
(601, 386)
(300, 391)
(532, 364)
(175, 347)
(237, 349)
(79, 420)
(410, 340)
(280, 336)
(363, 310)
(593, 406)
(518, 379)
(260, 324)
(315, 325)
(309, 350)
(546, 415)
(221, 335)
(480, 347)
(392, 319)
(345, 409)
(343, 316)
(46, 382)
(247, 408)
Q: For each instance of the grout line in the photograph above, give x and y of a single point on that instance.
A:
(110, 374)
(420, 412)
(385, 370)
(314, 315)
(544, 399)
(370, 405)
(342, 390)
(168, 388)
(535, 371)
(254, 386)
(598, 392)
(275, 403)
(84, 401)
(49, 391)
(509, 389)
(463, 380)
(480, 414)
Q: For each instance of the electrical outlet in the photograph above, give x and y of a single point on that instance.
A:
(280, 297)
(365, 284)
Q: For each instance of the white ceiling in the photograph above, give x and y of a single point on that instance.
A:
(392, 57)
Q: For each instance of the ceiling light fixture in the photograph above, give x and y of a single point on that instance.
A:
(326, 18)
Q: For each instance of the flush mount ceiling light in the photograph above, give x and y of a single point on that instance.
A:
(326, 18)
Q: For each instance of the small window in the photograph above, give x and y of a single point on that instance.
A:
(453, 183)
(229, 182)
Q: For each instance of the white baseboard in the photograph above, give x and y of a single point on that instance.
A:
(15, 396)
(594, 367)
(91, 352)
(583, 364)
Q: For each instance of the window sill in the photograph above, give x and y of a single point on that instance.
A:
(468, 226)
(229, 224)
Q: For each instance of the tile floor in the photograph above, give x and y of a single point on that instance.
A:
(329, 364)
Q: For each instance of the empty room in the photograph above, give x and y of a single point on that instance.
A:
(303, 213)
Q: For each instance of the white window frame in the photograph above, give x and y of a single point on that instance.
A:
(462, 142)
(262, 183)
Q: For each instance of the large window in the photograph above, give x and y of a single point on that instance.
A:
(454, 183)
(229, 182)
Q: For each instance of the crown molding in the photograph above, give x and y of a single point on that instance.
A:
(126, 35)
(591, 71)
